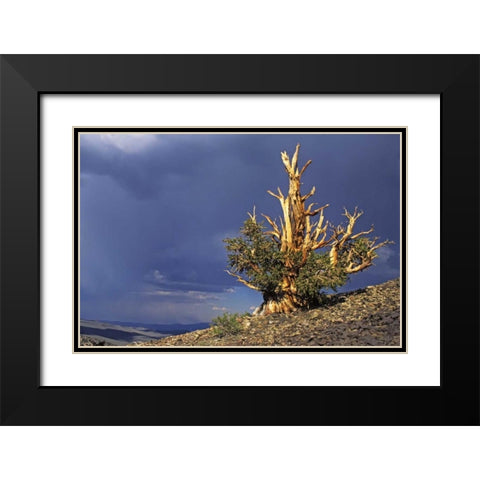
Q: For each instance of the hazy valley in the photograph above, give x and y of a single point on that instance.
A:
(95, 332)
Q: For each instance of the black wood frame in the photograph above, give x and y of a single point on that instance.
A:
(25, 77)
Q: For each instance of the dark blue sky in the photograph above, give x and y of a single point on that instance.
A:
(154, 209)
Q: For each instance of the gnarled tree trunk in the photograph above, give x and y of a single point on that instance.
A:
(297, 234)
(285, 301)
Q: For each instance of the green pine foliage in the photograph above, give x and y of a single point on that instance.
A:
(255, 255)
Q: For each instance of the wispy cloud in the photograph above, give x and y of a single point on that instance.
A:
(220, 309)
(128, 143)
(158, 277)
(387, 262)
(193, 295)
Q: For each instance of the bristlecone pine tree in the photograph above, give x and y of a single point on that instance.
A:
(301, 256)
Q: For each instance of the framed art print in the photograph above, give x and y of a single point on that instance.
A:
(179, 295)
(236, 240)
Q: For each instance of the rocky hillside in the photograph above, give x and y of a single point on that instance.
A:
(366, 317)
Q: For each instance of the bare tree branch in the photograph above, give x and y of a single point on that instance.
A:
(305, 167)
(279, 196)
(308, 195)
(242, 280)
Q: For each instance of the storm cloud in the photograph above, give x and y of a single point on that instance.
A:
(155, 208)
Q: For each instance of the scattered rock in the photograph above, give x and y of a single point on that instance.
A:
(86, 341)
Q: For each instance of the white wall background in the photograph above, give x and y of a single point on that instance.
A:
(212, 26)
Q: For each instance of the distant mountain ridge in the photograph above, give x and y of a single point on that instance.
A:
(164, 328)
(123, 333)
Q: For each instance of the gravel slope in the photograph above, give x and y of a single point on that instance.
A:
(366, 317)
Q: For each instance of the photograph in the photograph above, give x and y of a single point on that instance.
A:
(239, 239)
